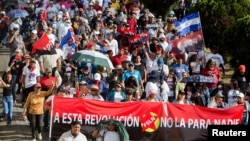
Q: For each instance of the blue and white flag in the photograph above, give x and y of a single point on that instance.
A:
(65, 39)
(188, 24)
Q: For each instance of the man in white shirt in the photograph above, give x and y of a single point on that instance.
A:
(30, 76)
(112, 44)
(74, 133)
(59, 51)
(68, 48)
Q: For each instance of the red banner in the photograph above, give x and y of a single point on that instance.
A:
(193, 42)
(154, 121)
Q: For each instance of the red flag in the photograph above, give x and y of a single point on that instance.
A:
(41, 44)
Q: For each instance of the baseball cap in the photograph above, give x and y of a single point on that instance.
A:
(219, 95)
(97, 76)
(83, 83)
(99, 12)
(241, 95)
(26, 56)
(61, 89)
(34, 31)
(130, 63)
(160, 62)
(242, 68)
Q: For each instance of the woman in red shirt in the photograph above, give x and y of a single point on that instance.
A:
(211, 70)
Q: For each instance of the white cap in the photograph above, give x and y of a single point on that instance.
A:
(97, 76)
(241, 95)
(83, 82)
(97, 47)
(2, 12)
(15, 26)
(162, 36)
(99, 12)
(34, 31)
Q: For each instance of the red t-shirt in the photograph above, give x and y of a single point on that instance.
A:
(215, 73)
(46, 82)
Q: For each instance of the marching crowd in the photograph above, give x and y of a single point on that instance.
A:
(137, 42)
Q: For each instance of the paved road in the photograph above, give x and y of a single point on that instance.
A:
(18, 130)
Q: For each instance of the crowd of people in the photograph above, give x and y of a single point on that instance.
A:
(137, 42)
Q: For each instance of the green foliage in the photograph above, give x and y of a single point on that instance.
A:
(158, 7)
(236, 39)
(217, 15)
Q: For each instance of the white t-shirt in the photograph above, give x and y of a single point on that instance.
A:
(59, 52)
(30, 76)
(151, 65)
(113, 45)
(232, 96)
(52, 38)
(51, 11)
(196, 66)
(118, 97)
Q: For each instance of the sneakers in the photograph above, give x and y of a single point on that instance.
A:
(1, 119)
(39, 136)
(33, 140)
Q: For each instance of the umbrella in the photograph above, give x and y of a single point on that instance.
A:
(16, 3)
(18, 13)
(198, 79)
(92, 57)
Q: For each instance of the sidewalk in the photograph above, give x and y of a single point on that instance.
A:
(18, 130)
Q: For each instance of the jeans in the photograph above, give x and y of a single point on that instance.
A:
(14, 79)
(36, 122)
(46, 118)
(7, 108)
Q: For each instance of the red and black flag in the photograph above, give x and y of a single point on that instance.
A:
(43, 46)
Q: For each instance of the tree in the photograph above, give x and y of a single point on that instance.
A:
(159, 7)
(217, 15)
(236, 39)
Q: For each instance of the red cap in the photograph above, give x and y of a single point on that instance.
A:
(69, 55)
(89, 44)
(242, 68)
(26, 56)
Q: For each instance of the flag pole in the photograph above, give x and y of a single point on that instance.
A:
(203, 44)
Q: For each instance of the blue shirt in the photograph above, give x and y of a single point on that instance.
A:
(179, 69)
(128, 73)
